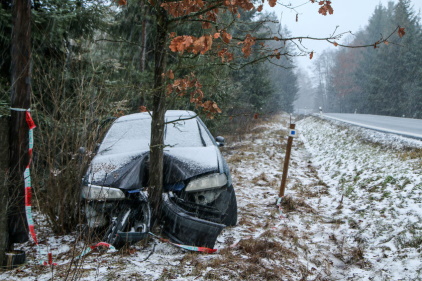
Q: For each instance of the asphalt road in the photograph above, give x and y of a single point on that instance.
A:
(401, 126)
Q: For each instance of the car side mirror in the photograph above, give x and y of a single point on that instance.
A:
(219, 140)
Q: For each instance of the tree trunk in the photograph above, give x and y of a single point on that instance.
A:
(157, 123)
(20, 98)
(4, 167)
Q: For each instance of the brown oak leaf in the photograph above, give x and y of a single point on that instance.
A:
(226, 37)
(325, 8)
(181, 43)
(401, 32)
(202, 44)
(170, 74)
(247, 45)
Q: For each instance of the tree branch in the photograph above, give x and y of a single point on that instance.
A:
(117, 41)
(196, 14)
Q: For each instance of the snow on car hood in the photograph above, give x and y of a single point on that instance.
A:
(130, 170)
(123, 158)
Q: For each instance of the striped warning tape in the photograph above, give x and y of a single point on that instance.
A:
(186, 247)
(93, 247)
(28, 190)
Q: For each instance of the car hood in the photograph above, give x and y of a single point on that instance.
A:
(130, 170)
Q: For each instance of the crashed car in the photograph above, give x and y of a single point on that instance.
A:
(198, 195)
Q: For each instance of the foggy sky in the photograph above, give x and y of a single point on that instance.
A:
(348, 16)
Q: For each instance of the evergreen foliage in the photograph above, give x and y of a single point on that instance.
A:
(385, 80)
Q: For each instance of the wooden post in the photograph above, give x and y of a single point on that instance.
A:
(286, 163)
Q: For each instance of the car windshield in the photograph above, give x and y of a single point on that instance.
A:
(134, 135)
(186, 133)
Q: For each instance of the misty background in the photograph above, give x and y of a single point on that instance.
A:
(378, 81)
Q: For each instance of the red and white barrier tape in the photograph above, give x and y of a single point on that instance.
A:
(88, 250)
(93, 247)
(186, 247)
(28, 196)
(28, 191)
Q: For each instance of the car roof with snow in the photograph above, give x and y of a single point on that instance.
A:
(170, 114)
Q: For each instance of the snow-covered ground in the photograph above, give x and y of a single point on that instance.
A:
(352, 211)
(374, 189)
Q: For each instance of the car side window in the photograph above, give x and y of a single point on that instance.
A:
(127, 136)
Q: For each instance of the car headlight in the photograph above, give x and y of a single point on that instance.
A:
(95, 192)
(207, 182)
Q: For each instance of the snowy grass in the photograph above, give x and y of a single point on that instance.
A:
(379, 183)
(352, 211)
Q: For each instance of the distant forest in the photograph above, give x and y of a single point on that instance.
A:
(385, 79)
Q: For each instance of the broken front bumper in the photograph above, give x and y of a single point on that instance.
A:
(184, 228)
(130, 237)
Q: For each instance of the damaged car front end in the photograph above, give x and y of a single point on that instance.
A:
(198, 195)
